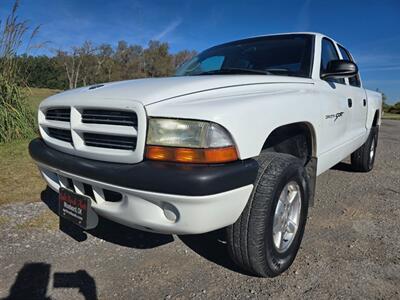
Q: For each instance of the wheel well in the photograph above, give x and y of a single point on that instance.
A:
(297, 139)
(376, 117)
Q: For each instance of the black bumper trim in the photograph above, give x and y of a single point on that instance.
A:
(160, 177)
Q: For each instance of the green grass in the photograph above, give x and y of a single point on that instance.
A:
(389, 116)
(20, 180)
(36, 95)
(19, 177)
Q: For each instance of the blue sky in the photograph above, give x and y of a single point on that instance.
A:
(369, 29)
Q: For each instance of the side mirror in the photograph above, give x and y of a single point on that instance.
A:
(340, 69)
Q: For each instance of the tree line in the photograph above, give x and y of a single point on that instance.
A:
(66, 69)
(388, 108)
(88, 64)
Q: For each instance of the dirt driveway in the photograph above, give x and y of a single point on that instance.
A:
(351, 249)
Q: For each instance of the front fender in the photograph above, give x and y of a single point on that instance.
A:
(250, 114)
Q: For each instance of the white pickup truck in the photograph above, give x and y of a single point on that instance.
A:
(235, 139)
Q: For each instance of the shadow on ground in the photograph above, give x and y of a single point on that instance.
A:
(107, 230)
(345, 167)
(211, 246)
(33, 279)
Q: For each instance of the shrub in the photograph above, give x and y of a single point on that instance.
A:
(16, 116)
(17, 119)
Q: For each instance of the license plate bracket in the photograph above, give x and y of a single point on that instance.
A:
(74, 207)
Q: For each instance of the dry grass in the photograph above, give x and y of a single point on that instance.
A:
(20, 180)
(4, 220)
(47, 220)
(389, 116)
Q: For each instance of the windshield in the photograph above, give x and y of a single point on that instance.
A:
(288, 55)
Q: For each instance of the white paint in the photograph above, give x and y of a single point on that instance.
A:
(145, 210)
(250, 107)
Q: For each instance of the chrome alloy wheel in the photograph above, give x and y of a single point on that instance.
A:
(287, 216)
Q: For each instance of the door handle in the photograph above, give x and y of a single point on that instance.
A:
(364, 102)
(350, 102)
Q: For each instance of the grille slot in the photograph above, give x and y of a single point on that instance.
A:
(109, 141)
(106, 195)
(110, 117)
(59, 114)
(88, 191)
(112, 196)
(60, 134)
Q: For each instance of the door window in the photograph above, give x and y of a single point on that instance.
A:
(328, 53)
(355, 80)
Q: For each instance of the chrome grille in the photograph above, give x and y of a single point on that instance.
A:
(109, 141)
(59, 114)
(60, 134)
(110, 117)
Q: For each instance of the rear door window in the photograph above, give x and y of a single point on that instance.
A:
(355, 80)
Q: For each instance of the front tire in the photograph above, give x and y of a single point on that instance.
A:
(363, 159)
(265, 239)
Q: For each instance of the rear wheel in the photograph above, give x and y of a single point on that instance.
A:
(265, 239)
(363, 159)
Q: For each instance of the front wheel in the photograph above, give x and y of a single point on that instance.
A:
(265, 239)
(363, 159)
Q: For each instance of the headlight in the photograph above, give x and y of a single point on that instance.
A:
(189, 141)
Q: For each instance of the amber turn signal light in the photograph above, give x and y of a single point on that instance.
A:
(192, 155)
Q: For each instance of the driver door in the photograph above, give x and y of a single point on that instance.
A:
(335, 114)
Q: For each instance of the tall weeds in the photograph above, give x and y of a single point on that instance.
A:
(17, 119)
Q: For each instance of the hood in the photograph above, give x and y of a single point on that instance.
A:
(152, 90)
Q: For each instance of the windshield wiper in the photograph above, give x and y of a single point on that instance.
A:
(235, 71)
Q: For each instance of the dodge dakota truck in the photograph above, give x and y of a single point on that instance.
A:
(235, 140)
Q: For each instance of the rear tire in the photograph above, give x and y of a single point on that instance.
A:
(253, 240)
(363, 159)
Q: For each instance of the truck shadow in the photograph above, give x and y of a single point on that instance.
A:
(211, 246)
(342, 166)
(33, 280)
(107, 230)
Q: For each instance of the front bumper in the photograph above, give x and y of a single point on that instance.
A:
(155, 196)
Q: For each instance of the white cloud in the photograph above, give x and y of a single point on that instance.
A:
(170, 27)
(378, 62)
(382, 81)
(381, 68)
(303, 19)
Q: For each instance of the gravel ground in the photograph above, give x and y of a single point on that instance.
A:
(351, 249)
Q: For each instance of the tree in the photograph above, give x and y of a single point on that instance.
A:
(42, 71)
(129, 60)
(89, 63)
(183, 56)
(105, 62)
(157, 60)
(72, 64)
(385, 106)
(395, 108)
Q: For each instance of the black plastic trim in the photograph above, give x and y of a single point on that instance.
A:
(160, 177)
